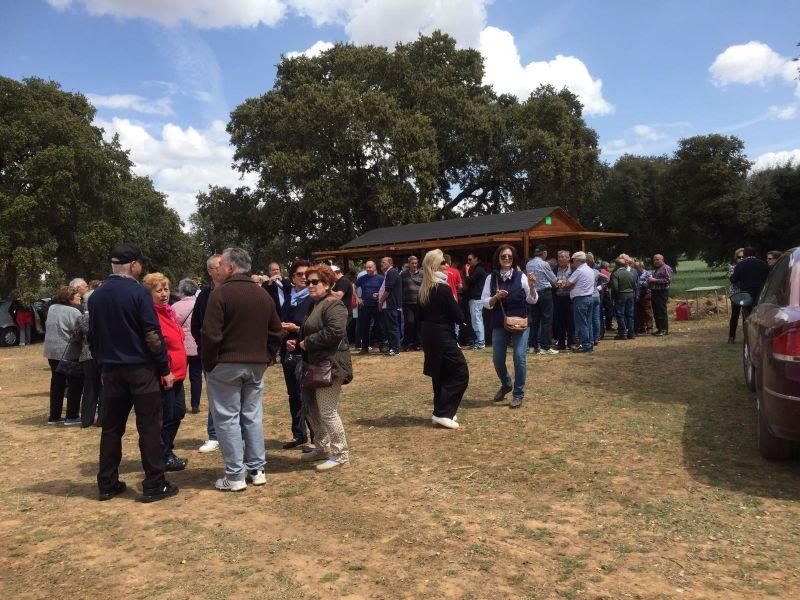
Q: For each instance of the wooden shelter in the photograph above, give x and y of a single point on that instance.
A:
(523, 229)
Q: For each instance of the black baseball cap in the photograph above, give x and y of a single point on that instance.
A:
(125, 253)
(540, 248)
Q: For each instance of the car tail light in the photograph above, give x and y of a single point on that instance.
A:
(786, 343)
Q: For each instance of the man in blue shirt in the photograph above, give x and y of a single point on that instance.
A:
(125, 340)
(540, 314)
(370, 284)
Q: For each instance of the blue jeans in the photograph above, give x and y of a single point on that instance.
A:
(236, 391)
(476, 316)
(173, 411)
(624, 308)
(582, 315)
(391, 327)
(519, 341)
(596, 332)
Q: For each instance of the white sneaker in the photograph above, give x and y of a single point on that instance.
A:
(209, 446)
(315, 454)
(257, 477)
(332, 463)
(226, 485)
(445, 422)
(550, 351)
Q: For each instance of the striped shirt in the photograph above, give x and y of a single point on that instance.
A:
(663, 276)
(545, 278)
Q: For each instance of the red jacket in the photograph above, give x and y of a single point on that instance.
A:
(173, 337)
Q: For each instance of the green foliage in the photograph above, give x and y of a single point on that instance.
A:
(361, 137)
(67, 196)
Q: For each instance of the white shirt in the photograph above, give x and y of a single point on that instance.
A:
(486, 295)
(583, 278)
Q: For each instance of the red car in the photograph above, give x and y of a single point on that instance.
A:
(772, 358)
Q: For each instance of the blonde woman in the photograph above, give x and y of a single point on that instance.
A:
(444, 362)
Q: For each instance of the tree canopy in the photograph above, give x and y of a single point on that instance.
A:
(67, 195)
(363, 137)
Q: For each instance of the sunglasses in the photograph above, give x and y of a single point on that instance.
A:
(506, 256)
(312, 281)
(741, 257)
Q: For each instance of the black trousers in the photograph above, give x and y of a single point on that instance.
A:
(411, 333)
(540, 317)
(447, 367)
(659, 299)
(58, 386)
(391, 327)
(289, 364)
(562, 320)
(734, 322)
(367, 317)
(195, 380)
(174, 409)
(126, 387)
(92, 403)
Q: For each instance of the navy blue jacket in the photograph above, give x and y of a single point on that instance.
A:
(121, 319)
(514, 304)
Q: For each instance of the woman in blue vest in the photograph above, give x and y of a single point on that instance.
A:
(507, 293)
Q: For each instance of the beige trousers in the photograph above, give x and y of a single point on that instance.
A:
(329, 433)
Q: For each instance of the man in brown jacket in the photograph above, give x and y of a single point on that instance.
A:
(241, 335)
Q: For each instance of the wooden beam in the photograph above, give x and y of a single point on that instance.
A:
(526, 245)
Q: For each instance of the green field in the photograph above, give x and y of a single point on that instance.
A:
(695, 273)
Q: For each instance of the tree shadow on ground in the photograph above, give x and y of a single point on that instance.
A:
(69, 488)
(394, 421)
(36, 421)
(719, 431)
(43, 394)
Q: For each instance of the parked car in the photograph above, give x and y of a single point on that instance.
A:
(771, 358)
(9, 332)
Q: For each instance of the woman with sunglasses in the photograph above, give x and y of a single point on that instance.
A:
(734, 289)
(323, 336)
(506, 293)
(444, 363)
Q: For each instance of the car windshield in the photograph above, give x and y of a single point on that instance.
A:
(793, 280)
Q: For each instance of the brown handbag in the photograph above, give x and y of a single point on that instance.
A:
(512, 324)
(317, 375)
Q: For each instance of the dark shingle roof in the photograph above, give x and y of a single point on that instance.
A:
(485, 225)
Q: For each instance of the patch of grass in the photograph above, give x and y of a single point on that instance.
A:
(329, 577)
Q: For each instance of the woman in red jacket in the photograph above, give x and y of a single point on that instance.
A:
(174, 398)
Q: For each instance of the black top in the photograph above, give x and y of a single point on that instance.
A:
(474, 283)
(198, 313)
(123, 326)
(272, 290)
(343, 285)
(441, 307)
(411, 283)
(394, 285)
(293, 314)
(750, 275)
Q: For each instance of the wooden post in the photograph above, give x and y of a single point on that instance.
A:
(345, 264)
(526, 251)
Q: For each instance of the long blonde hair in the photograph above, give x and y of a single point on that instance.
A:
(430, 265)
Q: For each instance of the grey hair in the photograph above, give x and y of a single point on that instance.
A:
(211, 258)
(187, 287)
(412, 257)
(239, 258)
(76, 282)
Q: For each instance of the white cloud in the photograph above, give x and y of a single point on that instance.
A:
(315, 50)
(505, 72)
(161, 106)
(784, 113)
(646, 132)
(753, 62)
(389, 21)
(181, 161)
(777, 159)
(201, 13)
(618, 147)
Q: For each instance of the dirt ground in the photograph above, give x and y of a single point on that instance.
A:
(630, 472)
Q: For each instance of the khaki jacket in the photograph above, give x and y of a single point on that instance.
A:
(324, 332)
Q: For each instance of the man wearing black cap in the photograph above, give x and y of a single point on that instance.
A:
(126, 341)
(541, 314)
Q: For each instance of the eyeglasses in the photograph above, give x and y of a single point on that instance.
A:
(312, 281)
(506, 256)
(741, 257)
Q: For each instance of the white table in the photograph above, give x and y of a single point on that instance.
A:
(704, 290)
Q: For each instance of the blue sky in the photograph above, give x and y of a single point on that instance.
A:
(165, 74)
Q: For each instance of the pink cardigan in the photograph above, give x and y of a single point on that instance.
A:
(183, 312)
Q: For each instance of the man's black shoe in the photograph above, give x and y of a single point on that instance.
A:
(391, 353)
(176, 464)
(115, 491)
(658, 333)
(294, 443)
(620, 337)
(166, 490)
(582, 350)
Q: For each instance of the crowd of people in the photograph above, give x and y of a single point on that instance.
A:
(147, 339)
